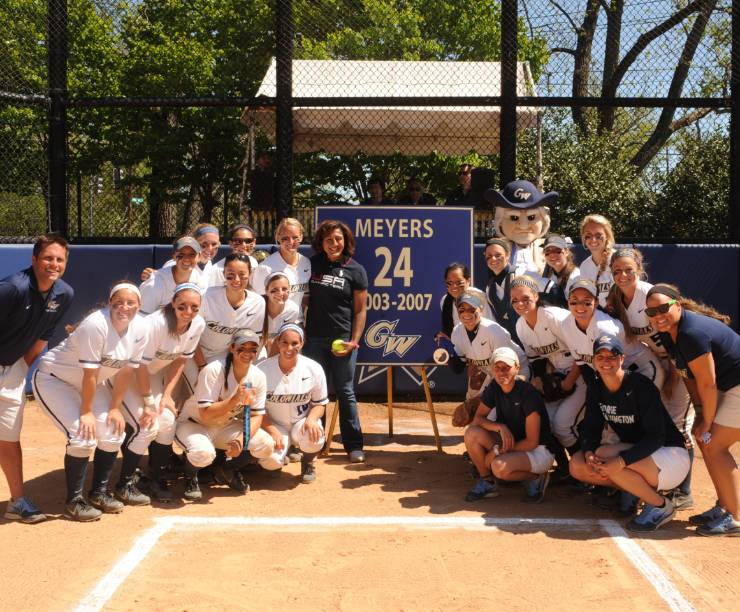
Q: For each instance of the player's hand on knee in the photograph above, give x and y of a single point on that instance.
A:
(87, 426)
(277, 438)
(235, 448)
(148, 420)
(167, 403)
(116, 420)
(507, 440)
(146, 273)
(313, 429)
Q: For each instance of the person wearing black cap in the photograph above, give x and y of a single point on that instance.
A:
(649, 455)
(706, 353)
(522, 216)
(560, 268)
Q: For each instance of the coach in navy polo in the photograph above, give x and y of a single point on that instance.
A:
(32, 302)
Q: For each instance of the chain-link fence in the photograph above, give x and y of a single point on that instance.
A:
(157, 115)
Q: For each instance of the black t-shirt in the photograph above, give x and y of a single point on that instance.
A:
(331, 302)
(636, 414)
(698, 335)
(513, 408)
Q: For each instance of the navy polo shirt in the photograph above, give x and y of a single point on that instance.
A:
(331, 303)
(698, 335)
(28, 316)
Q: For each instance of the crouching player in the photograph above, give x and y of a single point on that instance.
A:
(296, 399)
(650, 455)
(214, 416)
(510, 435)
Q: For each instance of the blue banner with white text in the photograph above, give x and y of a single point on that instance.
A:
(405, 251)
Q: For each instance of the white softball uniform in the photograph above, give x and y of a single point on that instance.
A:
(542, 342)
(216, 277)
(161, 351)
(57, 383)
(679, 404)
(298, 276)
(487, 312)
(289, 399)
(574, 276)
(200, 440)
(289, 314)
(488, 337)
(603, 280)
(637, 356)
(223, 320)
(159, 288)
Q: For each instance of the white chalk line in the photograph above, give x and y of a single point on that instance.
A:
(107, 586)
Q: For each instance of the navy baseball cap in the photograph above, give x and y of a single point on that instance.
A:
(610, 343)
(520, 194)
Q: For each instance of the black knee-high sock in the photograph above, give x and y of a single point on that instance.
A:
(685, 486)
(239, 462)
(561, 458)
(102, 468)
(190, 469)
(308, 457)
(130, 462)
(574, 448)
(75, 470)
(159, 456)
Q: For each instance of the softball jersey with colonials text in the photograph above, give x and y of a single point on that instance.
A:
(163, 348)
(223, 320)
(298, 276)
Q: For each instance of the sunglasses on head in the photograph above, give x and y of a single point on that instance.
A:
(653, 311)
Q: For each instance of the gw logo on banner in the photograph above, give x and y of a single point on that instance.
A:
(381, 335)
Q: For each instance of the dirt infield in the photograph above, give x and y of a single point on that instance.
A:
(404, 539)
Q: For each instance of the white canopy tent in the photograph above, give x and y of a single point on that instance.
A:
(384, 130)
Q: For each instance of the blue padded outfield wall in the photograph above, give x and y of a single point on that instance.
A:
(709, 273)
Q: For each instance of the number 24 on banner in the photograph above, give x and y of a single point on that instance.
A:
(402, 269)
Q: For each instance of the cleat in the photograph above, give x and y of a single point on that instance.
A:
(627, 504)
(104, 501)
(651, 518)
(308, 471)
(357, 456)
(681, 500)
(481, 490)
(724, 525)
(130, 495)
(25, 511)
(192, 490)
(294, 455)
(535, 489)
(79, 510)
(707, 516)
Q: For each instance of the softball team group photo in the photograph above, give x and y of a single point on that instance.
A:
(588, 376)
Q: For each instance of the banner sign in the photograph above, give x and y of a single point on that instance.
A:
(405, 250)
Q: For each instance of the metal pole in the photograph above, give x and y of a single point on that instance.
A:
(284, 108)
(79, 204)
(225, 228)
(507, 129)
(57, 153)
(734, 204)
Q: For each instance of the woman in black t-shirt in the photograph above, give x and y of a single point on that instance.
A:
(337, 310)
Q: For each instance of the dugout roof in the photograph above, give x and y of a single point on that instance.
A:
(411, 130)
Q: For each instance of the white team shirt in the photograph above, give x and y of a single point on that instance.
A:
(223, 320)
(639, 322)
(158, 289)
(542, 341)
(217, 279)
(603, 280)
(581, 344)
(290, 314)
(574, 276)
(489, 337)
(162, 348)
(486, 314)
(96, 345)
(298, 276)
(211, 388)
(290, 396)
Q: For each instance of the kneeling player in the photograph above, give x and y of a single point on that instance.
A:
(296, 398)
(650, 455)
(510, 436)
(227, 392)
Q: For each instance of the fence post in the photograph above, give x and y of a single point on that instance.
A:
(507, 129)
(57, 85)
(734, 203)
(284, 110)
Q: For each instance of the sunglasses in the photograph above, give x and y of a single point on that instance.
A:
(654, 311)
